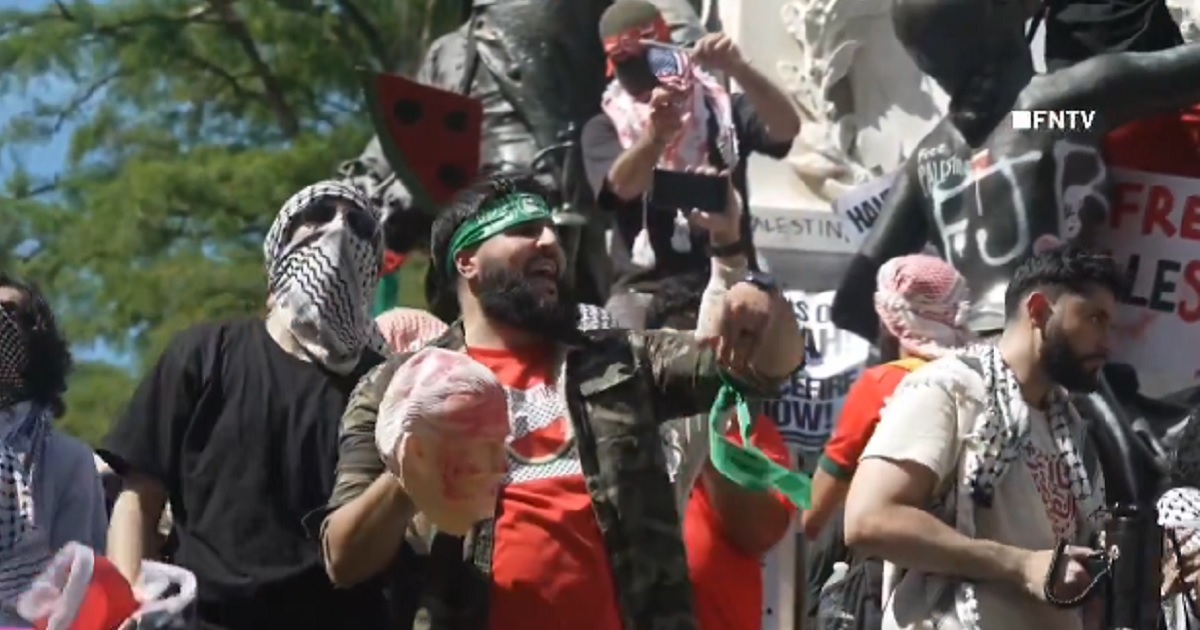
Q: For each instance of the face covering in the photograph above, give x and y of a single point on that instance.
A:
(13, 360)
(324, 282)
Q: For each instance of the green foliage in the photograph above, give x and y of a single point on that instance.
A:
(192, 121)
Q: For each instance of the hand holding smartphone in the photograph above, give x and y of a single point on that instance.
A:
(676, 190)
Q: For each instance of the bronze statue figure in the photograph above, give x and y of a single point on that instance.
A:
(538, 67)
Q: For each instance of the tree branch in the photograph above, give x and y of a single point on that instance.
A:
(288, 121)
(81, 99)
(374, 40)
(224, 75)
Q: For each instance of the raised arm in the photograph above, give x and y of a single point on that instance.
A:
(1122, 87)
(900, 229)
(688, 373)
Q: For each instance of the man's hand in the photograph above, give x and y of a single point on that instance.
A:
(746, 317)
(1179, 577)
(716, 51)
(666, 114)
(1070, 580)
(724, 228)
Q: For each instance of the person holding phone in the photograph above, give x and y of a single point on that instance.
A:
(665, 112)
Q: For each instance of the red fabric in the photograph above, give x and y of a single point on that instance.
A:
(728, 584)
(392, 262)
(108, 603)
(860, 415)
(1166, 145)
(629, 43)
(550, 569)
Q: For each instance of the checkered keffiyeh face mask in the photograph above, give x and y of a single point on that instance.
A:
(23, 549)
(325, 281)
(13, 359)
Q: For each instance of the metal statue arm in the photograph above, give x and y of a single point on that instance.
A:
(902, 228)
(1122, 87)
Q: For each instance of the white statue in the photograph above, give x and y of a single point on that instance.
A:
(1187, 16)
(866, 105)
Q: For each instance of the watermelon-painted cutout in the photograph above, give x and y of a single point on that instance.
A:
(430, 137)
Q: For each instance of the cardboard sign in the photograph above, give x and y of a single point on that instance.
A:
(811, 402)
(859, 208)
(1154, 233)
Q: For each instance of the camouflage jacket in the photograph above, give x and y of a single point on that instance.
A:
(620, 386)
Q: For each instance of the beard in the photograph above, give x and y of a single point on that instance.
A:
(1064, 366)
(509, 298)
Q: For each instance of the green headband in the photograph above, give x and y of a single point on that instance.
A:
(499, 216)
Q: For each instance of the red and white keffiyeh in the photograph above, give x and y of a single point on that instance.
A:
(922, 300)
(706, 97)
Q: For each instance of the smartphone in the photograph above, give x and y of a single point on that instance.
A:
(676, 190)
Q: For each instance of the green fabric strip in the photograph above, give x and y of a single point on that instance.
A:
(499, 216)
(745, 464)
(387, 294)
(835, 471)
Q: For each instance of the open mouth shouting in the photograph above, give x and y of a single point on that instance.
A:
(543, 273)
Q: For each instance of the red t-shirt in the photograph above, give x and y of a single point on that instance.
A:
(860, 416)
(1167, 145)
(727, 583)
(550, 569)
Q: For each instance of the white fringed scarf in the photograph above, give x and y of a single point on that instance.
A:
(992, 445)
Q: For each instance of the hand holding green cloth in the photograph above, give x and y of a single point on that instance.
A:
(745, 464)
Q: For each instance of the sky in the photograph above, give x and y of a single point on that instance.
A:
(45, 160)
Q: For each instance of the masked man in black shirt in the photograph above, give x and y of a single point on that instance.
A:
(236, 428)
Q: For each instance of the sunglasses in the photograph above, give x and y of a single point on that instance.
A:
(361, 223)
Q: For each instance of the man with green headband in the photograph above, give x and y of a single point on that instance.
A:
(586, 532)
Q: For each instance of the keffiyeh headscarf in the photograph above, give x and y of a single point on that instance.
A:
(24, 550)
(922, 300)
(592, 317)
(324, 284)
(24, 426)
(14, 358)
(998, 439)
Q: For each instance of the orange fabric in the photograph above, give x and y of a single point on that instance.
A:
(1167, 144)
(860, 416)
(728, 584)
(550, 569)
(629, 42)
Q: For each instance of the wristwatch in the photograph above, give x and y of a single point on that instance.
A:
(763, 281)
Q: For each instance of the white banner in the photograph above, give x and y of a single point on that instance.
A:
(859, 208)
(1154, 232)
(812, 400)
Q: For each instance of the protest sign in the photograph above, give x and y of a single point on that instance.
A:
(859, 208)
(1153, 231)
(811, 401)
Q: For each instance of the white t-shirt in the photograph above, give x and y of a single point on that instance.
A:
(928, 425)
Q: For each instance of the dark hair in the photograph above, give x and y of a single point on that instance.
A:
(1066, 269)
(466, 204)
(676, 302)
(45, 377)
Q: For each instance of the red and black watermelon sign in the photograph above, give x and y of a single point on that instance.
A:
(431, 137)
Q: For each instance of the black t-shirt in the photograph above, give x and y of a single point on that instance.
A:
(601, 147)
(244, 437)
